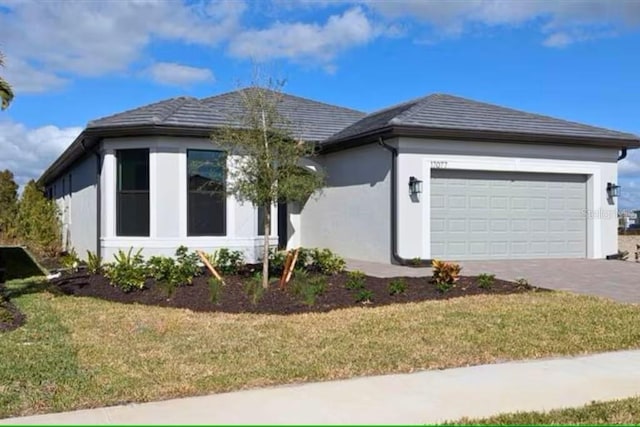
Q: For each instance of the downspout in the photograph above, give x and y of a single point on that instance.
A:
(623, 154)
(394, 208)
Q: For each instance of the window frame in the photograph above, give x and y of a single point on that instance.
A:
(118, 177)
(224, 232)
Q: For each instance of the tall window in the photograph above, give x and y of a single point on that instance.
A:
(132, 202)
(261, 221)
(206, 206)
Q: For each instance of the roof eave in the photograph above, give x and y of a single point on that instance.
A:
(475, 135)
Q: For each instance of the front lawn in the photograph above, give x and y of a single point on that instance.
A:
(76, 352)
(624, 411)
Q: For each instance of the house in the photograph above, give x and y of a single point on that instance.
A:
(436, 177)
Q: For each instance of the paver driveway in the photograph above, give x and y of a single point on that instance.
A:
(618, 280)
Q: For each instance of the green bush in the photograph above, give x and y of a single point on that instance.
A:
(397, 287)
(486, 281)
(38, 223)
(215, 290)
(364, 295)
(308, 286)
(355, 280)
(227, 261)
(94, 263)
(128, 272)
(277, 259)
(253, 288)
(326, 262)
(170, 273)
(70, 260)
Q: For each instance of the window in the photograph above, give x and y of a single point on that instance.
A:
(207, 199)
(132, 201)
(260, 221)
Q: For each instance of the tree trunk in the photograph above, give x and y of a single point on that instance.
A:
(265, 252)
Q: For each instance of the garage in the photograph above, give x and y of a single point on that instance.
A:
(500, 215)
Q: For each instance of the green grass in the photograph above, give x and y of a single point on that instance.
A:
(625, 411)
(82, 352)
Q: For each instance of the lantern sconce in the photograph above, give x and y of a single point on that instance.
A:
(415, 186)
(613, 190)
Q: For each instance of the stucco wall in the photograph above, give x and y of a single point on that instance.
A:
(168, 203)
(418, 156)
(351, 215)
(76, 201)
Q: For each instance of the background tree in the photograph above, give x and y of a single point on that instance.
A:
(263, 164)
(6, 93)
(8, 206)
(38, 222)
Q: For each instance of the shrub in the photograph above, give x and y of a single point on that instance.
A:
(623, 255)
(215, 290)
(308, 286)
(277, 260)
(170, 273)
(94, 263)
(38, 223)
(416, 262)
(397, 287)
(364, 295)
(70, 260)
(128, 272)
(445, 274)
(486, 281)
(523, 283)
(326, 262)
(227, 261)
(355, 280)
(253, 288)
(305, 258)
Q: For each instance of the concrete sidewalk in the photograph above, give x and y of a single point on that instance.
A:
(422, 397)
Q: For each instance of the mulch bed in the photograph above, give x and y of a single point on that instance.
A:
(10, 317)
(196, 297)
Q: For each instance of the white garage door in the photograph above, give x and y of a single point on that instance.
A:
(502, 215)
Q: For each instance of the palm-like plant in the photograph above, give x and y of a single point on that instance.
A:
(6, 93)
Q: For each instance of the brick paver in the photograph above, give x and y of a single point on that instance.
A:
(613, 279)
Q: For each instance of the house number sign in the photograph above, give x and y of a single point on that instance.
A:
(438, 164)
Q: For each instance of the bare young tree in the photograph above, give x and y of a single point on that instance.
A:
(264, 158)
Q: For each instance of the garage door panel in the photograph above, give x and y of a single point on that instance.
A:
(482, 215)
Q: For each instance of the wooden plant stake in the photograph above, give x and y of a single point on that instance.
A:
(292, 265)
(287, 262)
(210, 267)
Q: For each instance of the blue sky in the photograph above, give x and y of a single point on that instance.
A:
(71, 62)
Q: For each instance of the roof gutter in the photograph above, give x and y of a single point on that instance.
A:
(475, 135)
(394, 208)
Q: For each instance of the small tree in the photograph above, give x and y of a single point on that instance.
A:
(263, 165)
(8, 205)
(6, 92)
(38, 222)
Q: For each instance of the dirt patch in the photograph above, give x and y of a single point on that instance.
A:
(233, 299)
(10, 317)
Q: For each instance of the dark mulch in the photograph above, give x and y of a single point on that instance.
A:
(10, 317)
(196, 297)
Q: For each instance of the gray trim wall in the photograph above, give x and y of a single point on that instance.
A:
(352, 215)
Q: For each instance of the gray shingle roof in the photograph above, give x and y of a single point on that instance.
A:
(442, 111)
(306, 119)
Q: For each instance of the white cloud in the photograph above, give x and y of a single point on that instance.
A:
(27, 152)
(44, 41)
(562, 22)
(306, 41)
(170, 73)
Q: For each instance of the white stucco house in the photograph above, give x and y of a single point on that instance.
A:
(436, 177)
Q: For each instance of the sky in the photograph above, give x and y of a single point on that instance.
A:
(73, 61)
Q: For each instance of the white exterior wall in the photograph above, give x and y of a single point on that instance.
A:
(351, 216)
(168, 203)
(76, 201)
(418, 156)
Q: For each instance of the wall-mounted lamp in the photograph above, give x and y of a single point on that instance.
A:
(415, 186)
(613, 190)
